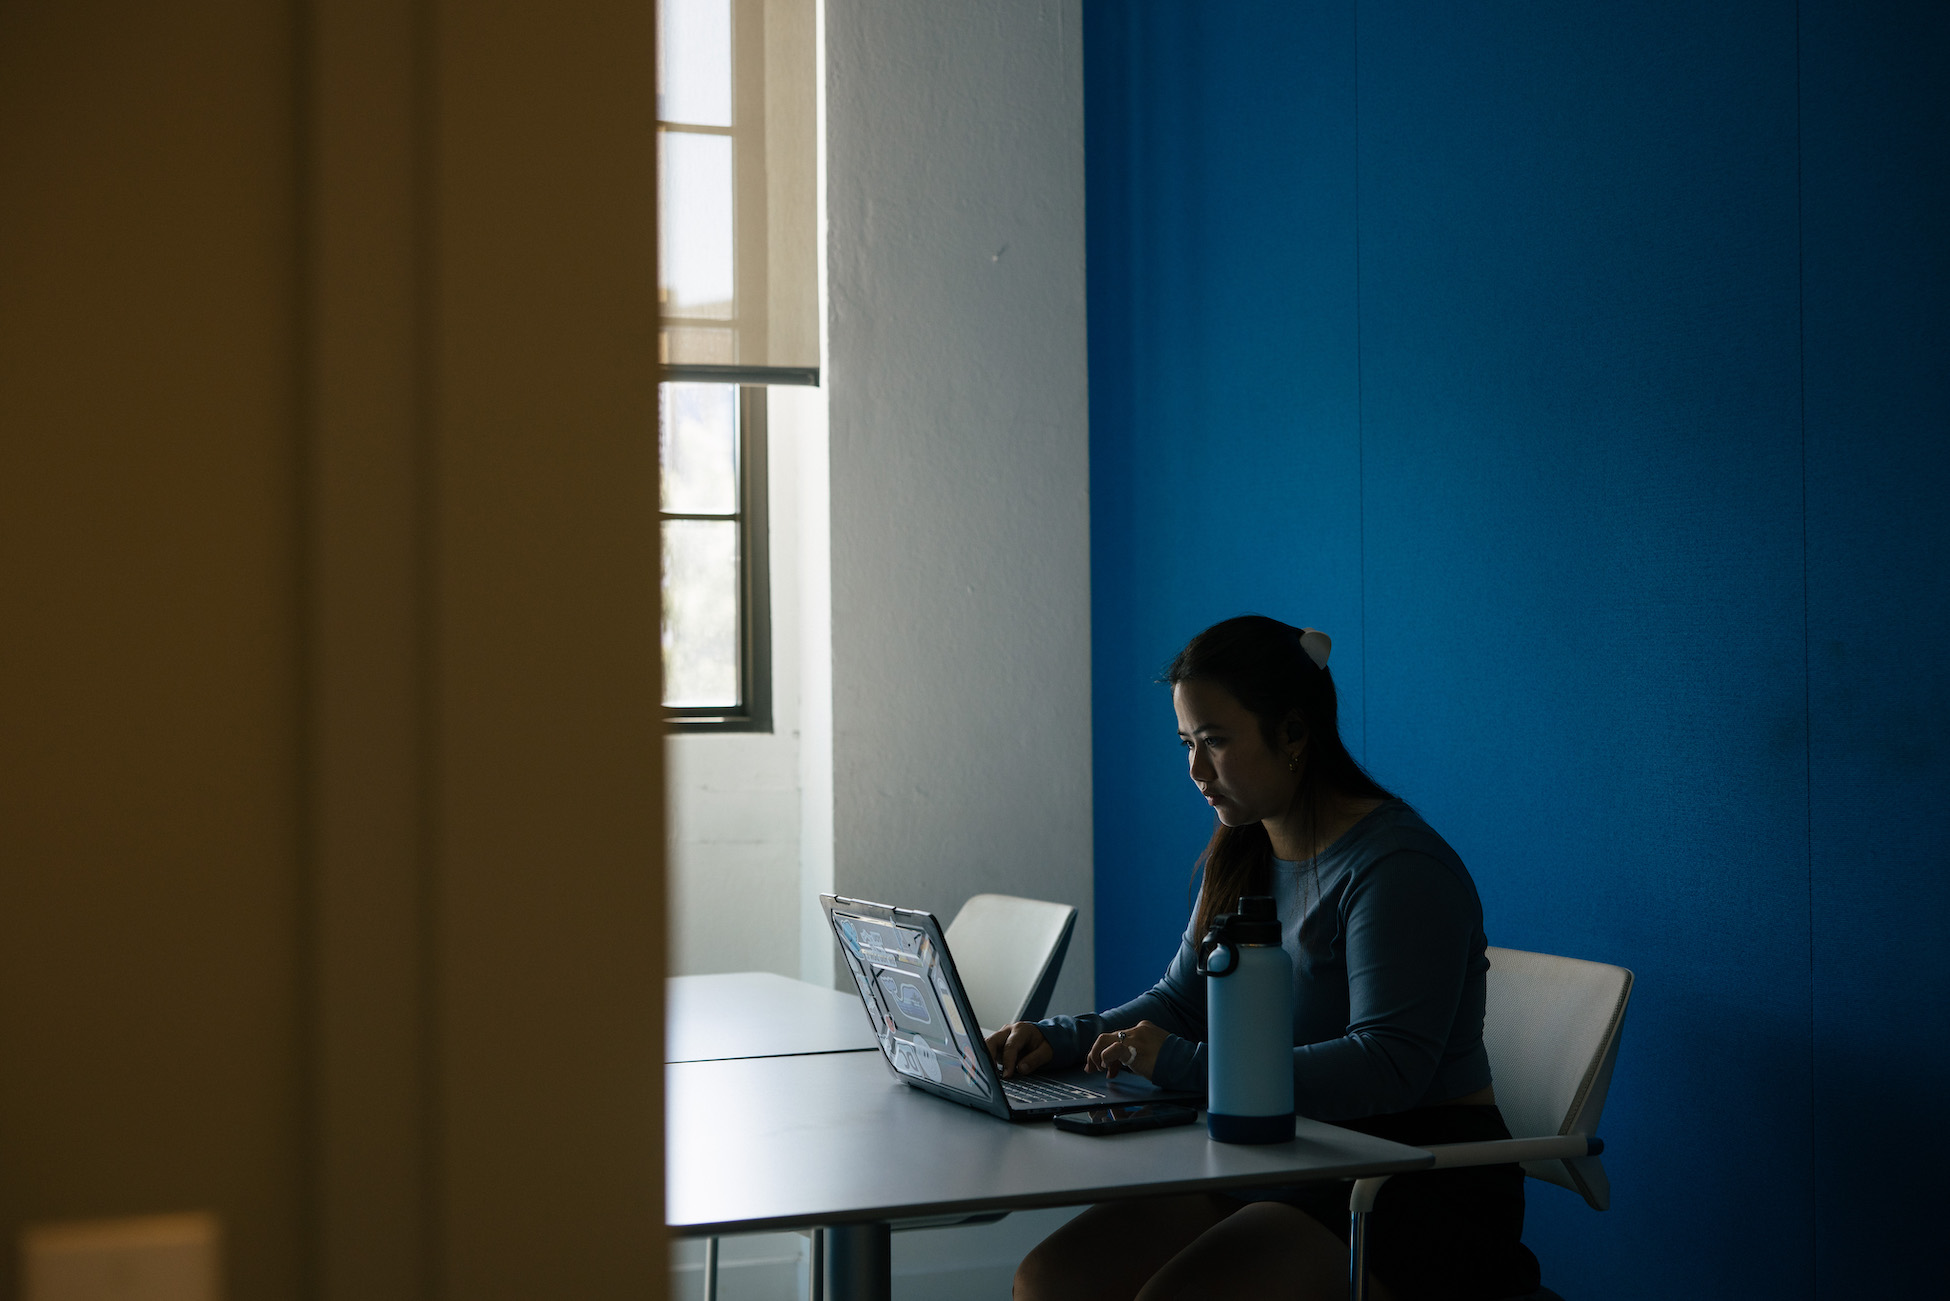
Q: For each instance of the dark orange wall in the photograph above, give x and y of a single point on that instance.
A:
(331, 883)
(149, 663)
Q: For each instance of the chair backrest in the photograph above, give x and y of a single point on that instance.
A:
(1551, 1028)
(1008, 952)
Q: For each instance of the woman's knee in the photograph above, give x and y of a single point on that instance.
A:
(1109, 1251)
(1056, 1270)
(1046, 1273)
(1265, 1250)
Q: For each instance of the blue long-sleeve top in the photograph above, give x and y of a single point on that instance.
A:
(1388, 984)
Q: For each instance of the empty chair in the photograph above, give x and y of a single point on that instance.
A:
(1008, 951)
(1551, 1026)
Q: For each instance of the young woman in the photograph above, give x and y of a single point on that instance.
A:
(1386, 933)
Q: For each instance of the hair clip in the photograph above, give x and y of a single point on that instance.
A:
(1317, 644)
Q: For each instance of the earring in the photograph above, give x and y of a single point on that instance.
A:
(1293, 764)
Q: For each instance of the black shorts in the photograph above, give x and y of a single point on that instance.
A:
(1441, 1235)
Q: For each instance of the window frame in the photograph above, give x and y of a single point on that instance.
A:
(754, 710)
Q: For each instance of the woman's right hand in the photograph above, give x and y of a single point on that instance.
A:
(1019, 1049)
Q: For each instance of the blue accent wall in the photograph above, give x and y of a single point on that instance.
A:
(1876, 291)
(1584, 369)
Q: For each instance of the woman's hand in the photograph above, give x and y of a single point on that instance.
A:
(1135, 1049)
(1019, 1049)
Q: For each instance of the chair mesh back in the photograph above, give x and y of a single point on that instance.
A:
(1007, 951)
(1551, 1029)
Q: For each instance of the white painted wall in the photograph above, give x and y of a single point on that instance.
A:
(955, 378)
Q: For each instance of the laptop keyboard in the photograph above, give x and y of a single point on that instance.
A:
(1031, 1091)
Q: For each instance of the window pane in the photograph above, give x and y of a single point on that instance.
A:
(694, 224)
(697, 445)
(701, 612)
(694, 62)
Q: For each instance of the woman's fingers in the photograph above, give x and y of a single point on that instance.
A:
(1134, 1050)
(1019, 1049)
(1012, 1048)
(994, 1043)
(1036, 1058)
(1108, 1054)
(1095, 1060)
(1145, 1039)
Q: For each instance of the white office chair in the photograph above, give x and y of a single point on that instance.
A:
(1551, 1027)
(1008, 951)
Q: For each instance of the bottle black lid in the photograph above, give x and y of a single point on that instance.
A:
(1256, 922)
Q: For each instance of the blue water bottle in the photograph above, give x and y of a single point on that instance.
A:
(1249, 1025)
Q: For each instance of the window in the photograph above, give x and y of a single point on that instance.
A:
(716, 594)
(739, 306)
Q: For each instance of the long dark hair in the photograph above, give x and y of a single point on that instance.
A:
(1262, 663)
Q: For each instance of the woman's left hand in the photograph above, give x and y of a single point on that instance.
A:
(1135, 1050)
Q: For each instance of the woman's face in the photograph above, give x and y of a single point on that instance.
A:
(1241, 777)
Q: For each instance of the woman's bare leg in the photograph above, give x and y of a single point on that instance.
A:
(1107, 1253)
(1263, 1250)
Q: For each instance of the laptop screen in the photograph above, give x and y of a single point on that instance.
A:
(899, 973)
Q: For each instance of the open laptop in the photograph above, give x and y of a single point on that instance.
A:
(927, 1029)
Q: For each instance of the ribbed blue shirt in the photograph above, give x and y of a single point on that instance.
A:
(1387, 987)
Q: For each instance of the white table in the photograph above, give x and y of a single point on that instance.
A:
(759, 1014)
(834, 1141)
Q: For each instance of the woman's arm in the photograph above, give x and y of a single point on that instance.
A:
(1411, 923)
(1176, 1004)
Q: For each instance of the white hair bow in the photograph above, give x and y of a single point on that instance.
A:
(1317, 644)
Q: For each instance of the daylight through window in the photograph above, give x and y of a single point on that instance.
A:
(711, 443)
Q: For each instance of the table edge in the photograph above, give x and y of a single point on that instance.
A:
(1041, 1201)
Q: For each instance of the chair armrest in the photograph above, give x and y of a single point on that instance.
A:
(1504, 1151)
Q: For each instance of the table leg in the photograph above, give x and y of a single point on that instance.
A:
(859, 1263)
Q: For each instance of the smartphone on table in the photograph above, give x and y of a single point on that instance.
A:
(1124, 1117)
